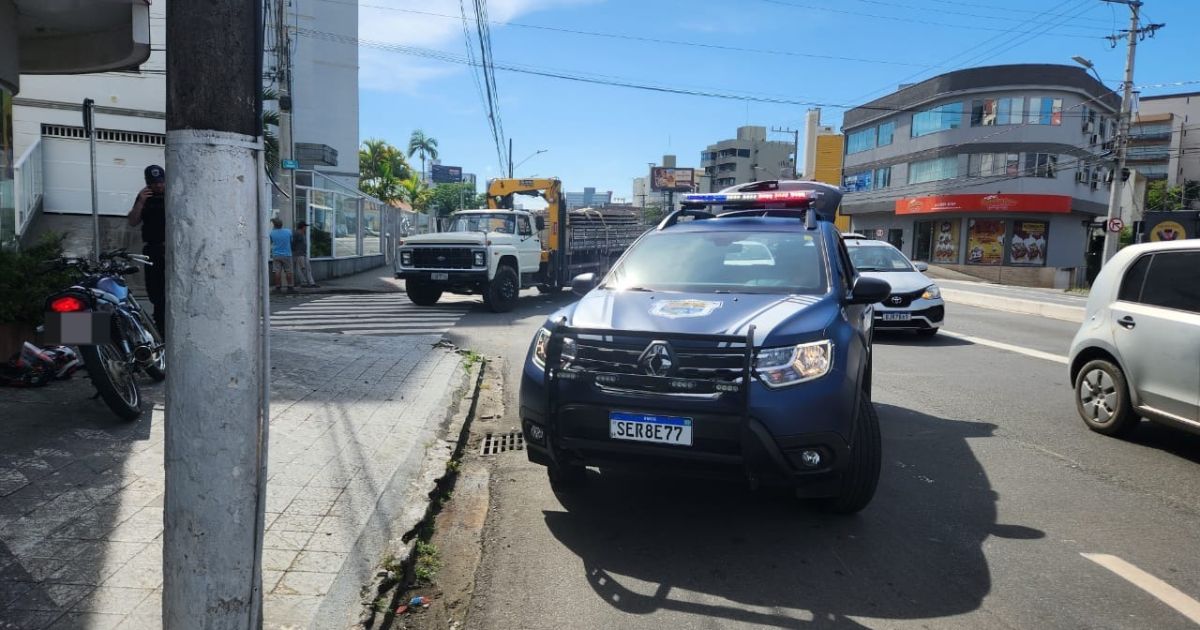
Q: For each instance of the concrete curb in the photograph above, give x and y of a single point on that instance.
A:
(1062, 312)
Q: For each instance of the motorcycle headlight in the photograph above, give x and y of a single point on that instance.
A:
(406, 258)
(932, 292)
(780, 367)
(480, 258)
(541, 343)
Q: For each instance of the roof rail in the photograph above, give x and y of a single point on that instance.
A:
(673, 218)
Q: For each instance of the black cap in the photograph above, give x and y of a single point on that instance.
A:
(302, 224)
(155, 174)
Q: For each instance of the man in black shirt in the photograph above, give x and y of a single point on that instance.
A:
(149, 211)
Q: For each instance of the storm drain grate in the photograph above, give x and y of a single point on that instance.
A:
(496, 443)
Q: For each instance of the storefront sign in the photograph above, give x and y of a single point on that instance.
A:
(985, 242)
(1027, 247)
(1042, 204)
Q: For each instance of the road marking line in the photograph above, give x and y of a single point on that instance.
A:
(1029, 352)
(1167, 594)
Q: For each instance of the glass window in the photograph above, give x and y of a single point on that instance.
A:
(1041, 164)
(345, 240)
(862, 140)
(1171, 281)
(523, 227)
(372, 225)
(985, 242)
(883, 177)
(940, 118)
(857, 182)
(933, 170)
(990, 111)
(1044, 111)
(743, 152)
(878, 258)
(1131, 284)
(1027, 246)
(886, 131)
(749, 262)
(321, 234)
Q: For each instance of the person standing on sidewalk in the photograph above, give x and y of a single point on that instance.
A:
(150, 211)
(281, 256)
(303, 272)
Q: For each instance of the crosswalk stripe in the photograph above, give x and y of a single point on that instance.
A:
(398, 331)
(373, 315)
(365, 325)
(288, 320)
(372, 311)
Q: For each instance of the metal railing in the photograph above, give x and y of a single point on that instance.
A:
(28, 190)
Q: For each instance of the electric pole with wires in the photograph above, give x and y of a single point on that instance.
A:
(1135, 33)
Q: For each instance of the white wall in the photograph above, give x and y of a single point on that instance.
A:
(326, 83)
(118, 174)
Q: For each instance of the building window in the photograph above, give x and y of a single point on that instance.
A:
(1044, 111)
(994, 164)
(940, 118)
(886, 131)
(743, 152)
(883, 177)
(858, 182)
(985, 242)
(991, 111)
(1041, 164)
(1027, 245)
(858, 141)
(933, 170)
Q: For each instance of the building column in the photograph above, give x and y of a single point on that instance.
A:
(10, 73)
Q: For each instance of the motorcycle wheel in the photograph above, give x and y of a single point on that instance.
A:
(114, 380)
(158, 369)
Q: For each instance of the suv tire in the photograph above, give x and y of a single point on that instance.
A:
(566, 477)
(502, 292)
(862, 475)
(1102, 399)
(927, 332)
(422, 293)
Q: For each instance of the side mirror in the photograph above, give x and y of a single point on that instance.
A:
(869, 290)
(922, 267)
(585, 282)
(540, 222)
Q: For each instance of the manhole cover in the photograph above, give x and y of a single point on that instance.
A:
(495, 443)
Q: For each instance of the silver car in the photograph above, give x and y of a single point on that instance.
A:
(1137, 353)
(915, 303)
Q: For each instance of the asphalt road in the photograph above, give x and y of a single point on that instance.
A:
(991, 493)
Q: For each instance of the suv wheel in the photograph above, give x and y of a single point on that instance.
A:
(502, 292)
(422, 293)
(566, 477)
(1102, 398)
(862, 475)
(927, 332)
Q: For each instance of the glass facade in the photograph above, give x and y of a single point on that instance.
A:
(886, 132)
(1044, 111)
(994, 164)
(8, 207)
(933, 170)
(862, 140)
(940, 118)
(344, 223)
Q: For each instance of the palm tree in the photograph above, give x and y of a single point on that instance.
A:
(270, 118)
(381, 168)
(426, 146)
(415, 192)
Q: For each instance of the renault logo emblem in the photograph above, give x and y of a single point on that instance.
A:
(441, 259)
(657, 359)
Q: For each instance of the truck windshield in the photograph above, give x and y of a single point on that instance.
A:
(498, 222)
(723, 262)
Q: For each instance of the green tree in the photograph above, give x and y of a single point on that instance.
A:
(447, 198)
(653, 214)
(415, 192)
(270, 140)
(381, 169)
(1160, 197)
(423, 145)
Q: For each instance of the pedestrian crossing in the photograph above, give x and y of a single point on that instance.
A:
(374, 314)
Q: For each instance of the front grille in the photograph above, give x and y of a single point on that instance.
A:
(709, 363)
(905, 299)
(442, 258)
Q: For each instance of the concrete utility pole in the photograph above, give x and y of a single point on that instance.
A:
(1112, 239)
(510, 164)
(215, 415)
(795, 148)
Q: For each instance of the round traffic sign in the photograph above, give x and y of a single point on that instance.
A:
(1115, 225)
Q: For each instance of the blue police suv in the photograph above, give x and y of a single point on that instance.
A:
(733, 339)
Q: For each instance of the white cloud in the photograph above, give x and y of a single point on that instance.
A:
(390, 71)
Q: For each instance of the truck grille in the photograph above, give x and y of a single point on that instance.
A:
(442, 258)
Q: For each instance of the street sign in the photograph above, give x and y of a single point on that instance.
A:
(290, 165)
(1115, 225)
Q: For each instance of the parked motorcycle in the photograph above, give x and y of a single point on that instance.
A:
(116, 338)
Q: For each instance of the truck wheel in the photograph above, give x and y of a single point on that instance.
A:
(502, 292)
(862, 475)
(422, 293)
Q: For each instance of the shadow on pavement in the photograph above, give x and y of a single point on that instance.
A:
(908, 338)
(1177, 442)
(715, 550)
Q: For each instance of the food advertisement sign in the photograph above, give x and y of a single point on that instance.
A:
(1041, 204)
(985, 242)
(672, 179)
(1027, 245)
(945, 241)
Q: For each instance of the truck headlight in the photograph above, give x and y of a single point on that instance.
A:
(541, 344)
(932, 292)
(780, 367)
(480, 258)
(406, 258)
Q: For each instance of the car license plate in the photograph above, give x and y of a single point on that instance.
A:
(439, 276)
(640, 427)
(897, 317)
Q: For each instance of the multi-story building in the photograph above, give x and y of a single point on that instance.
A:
(589, 198)
(998, 172)
(1164, 138)
(748, 157)
(823, 148)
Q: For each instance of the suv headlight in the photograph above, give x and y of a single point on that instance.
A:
(541, 343)
(406, 258)
(480, 258)
(932, 292)
(780, 367)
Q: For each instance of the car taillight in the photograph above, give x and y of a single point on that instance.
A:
(66, 304)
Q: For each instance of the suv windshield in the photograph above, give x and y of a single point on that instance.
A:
(878, 258)
(497, 222)
(723, 262)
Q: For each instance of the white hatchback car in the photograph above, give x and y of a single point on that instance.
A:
(1137, 353)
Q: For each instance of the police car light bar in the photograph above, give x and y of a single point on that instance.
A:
(778, 196)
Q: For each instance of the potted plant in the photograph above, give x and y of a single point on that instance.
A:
(27, 277)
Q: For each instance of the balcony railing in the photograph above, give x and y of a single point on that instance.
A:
(28, 191)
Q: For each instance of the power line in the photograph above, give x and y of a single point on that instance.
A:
(892, 18)
(910, 7)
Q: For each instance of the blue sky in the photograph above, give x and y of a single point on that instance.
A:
(604, 136)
